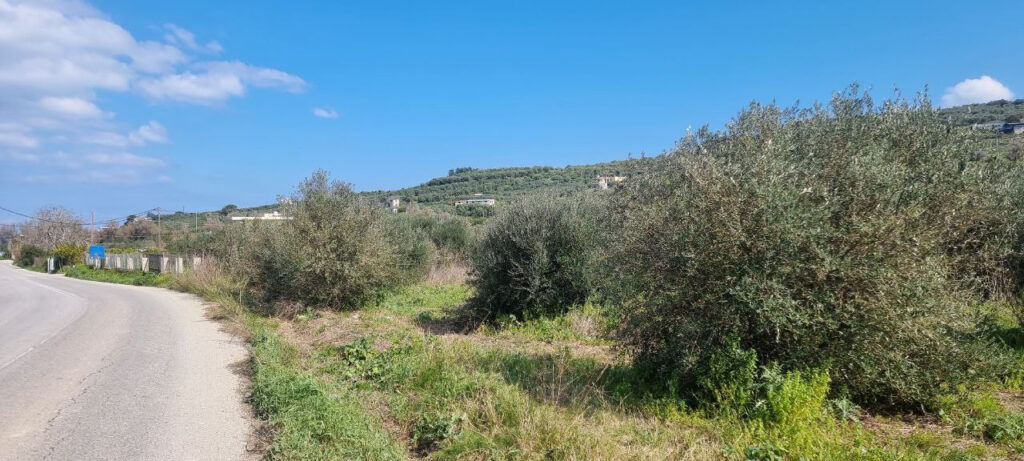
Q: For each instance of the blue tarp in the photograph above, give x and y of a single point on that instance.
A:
(97, 251)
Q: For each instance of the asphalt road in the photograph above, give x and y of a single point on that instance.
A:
(93, 371)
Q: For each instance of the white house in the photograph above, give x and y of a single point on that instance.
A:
(476, 199)
(393, 203)
(275, 216)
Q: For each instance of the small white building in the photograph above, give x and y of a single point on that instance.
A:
(275, 216)
(476, 199)
(604, 182)
(393, 203)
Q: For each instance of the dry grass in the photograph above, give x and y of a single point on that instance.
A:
(447, 271)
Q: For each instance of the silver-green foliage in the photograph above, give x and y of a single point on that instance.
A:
(854, 237)
(338, 250)
(538, 255)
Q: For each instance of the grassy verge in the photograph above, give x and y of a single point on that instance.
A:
(553, 389)
(137, 278)
(400, 379)
(314, 419)
(40, 269)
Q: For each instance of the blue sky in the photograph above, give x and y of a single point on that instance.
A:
(208, 103)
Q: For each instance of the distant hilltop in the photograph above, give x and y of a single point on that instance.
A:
(995, 112)
(467, 185)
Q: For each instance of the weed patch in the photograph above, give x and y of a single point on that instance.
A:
(313, 420)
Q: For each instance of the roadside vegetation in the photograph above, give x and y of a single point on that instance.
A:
(138, 278)
(839, 282)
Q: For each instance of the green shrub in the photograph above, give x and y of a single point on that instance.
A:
(475, 211)
(850, 237)
(729, 381)
(450, 234)
(269, 262)
(339, 251)
(537, 256)
(29, 253)
(122, 250)
(69, 254)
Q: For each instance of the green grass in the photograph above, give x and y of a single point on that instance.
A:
(40, 269)
(137, 278)
(587, 325)
(314, 419)
(979, 414)
(474, 396)
(417, 299)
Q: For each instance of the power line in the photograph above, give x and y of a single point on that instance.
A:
(66, 223)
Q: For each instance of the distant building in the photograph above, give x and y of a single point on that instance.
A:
(604, 182)
(1001, 127)
(1012, 128)
(987, 126)
(476, 199)
(393, 203)
(275, 216)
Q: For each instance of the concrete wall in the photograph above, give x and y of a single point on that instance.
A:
(145, 262)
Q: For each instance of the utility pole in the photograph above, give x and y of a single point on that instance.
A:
(159, 232)
(92, 220)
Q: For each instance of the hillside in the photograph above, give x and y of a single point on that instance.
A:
(507, 183)
(504, 184)
(995, 111)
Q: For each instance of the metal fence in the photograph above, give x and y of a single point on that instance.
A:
(168, 264)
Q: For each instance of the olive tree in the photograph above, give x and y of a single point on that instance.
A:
(853, 236)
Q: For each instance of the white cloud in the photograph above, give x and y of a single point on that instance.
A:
(217, 81)
(208, 89)
(214, 46)
(325, 112)
(71, 107)
(19, 156)
(150, 132)
(259, 77)
(58, 57)
(974, 91)
(122, 158)
(183, 37)
(16, 135)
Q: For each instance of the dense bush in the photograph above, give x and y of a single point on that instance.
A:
(537, 256)
(29, 253)
(69, 254)
(450, 234)
(475, 211)
(850, 237)
(338, 251)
